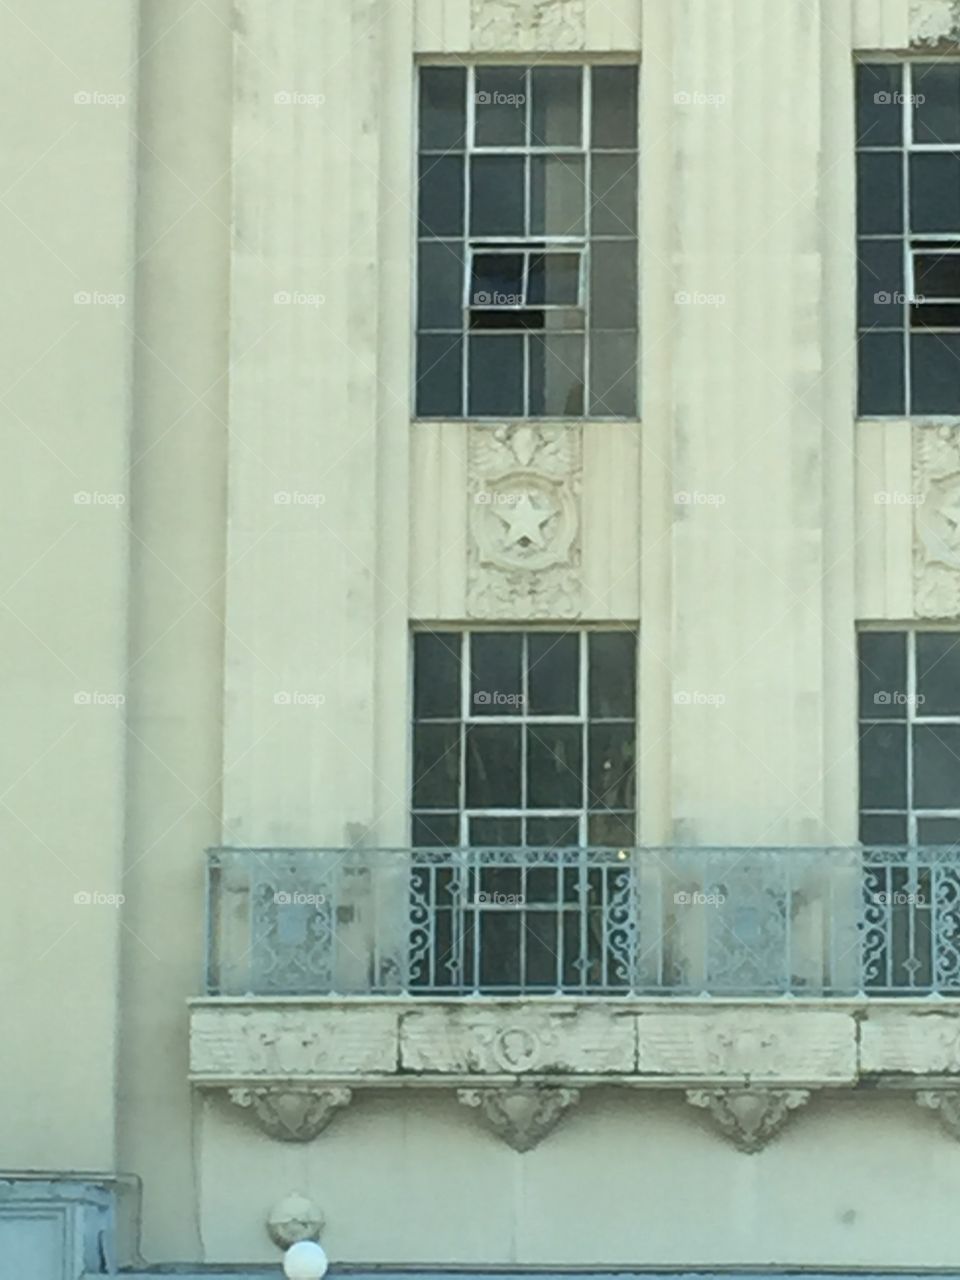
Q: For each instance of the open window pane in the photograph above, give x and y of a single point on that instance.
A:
(497, 280)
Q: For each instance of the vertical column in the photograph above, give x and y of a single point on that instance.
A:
(319, 420)
(748, 423)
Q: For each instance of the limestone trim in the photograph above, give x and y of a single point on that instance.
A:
(750, 1118)
(522, 1117)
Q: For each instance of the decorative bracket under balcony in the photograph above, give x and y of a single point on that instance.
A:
(521, 1065)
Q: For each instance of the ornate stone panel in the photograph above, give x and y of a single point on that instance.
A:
(542, 26)
(749, 1117)
(775, 1044)
(302, 1041)
(892, 1044)
(291, 1115)
(516, 1040)
(521, 1117)
(524, 553)
(934, 23)
(936, 453)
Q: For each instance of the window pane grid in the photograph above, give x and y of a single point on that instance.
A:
(515, 364)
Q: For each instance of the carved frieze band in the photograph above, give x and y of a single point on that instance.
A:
(750, 1118)
(527, 26)
(524, 488)
(522, 1117)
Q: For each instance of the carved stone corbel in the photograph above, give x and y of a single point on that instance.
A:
(291, 1114)
(946, 1103)
(749, 1117)
(522, 1117)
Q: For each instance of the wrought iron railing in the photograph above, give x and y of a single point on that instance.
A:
(601, 922)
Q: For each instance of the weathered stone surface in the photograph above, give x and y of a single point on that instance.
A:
(283, 1041)
(896, 1041)
(521, 1117)
(762, 1044)
(516, 1039)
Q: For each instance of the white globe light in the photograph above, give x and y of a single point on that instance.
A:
(305, 1261)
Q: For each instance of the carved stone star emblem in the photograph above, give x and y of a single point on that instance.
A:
(524, 522)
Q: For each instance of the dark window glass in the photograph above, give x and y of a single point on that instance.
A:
(497, 280)
(611, 749)
(883, 766)
(436, 830)
(879, 110)
(613, 284)
(881, 361)
(614, 107)
(938, 673)
(554, 279)
(436, 766)
(936, 111)
(937, 275)
(553, 679)
(936, 766)
(943, 831)
(557, 196)
(441, 196)
(612, 675)
(880, 193)
(612, 830)
(556, 376)
(935, 372)
(881, 287)
(555, 766)
(934, 191)
(440, 281)
(613, 375)
(436, 675)
(883, 829)
(553, 833)
(493, 766)
(497, 195)
(883, 675)
(443, 103)
(557, 94)
(496, 375)
(501, 106)
(614, 195)
(496, 832)
(439, 375)
(496, 673)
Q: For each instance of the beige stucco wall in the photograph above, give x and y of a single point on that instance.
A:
(199, 597)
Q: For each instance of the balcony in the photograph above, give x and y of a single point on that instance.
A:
(749, 978)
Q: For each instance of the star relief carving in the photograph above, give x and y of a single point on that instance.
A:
(525, 521)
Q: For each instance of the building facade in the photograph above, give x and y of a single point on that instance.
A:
(482, 635)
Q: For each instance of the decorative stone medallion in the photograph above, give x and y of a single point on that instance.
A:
(936, 452)
(934, 23)
(749, 1117)
(543, 26)
(292, 1219)
(524, 521)
(292, 1115)
(521, 1117)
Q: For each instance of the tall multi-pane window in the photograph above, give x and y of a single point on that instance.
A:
(524, 738)
(910, 738)
(527, 299)
(908, 224)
